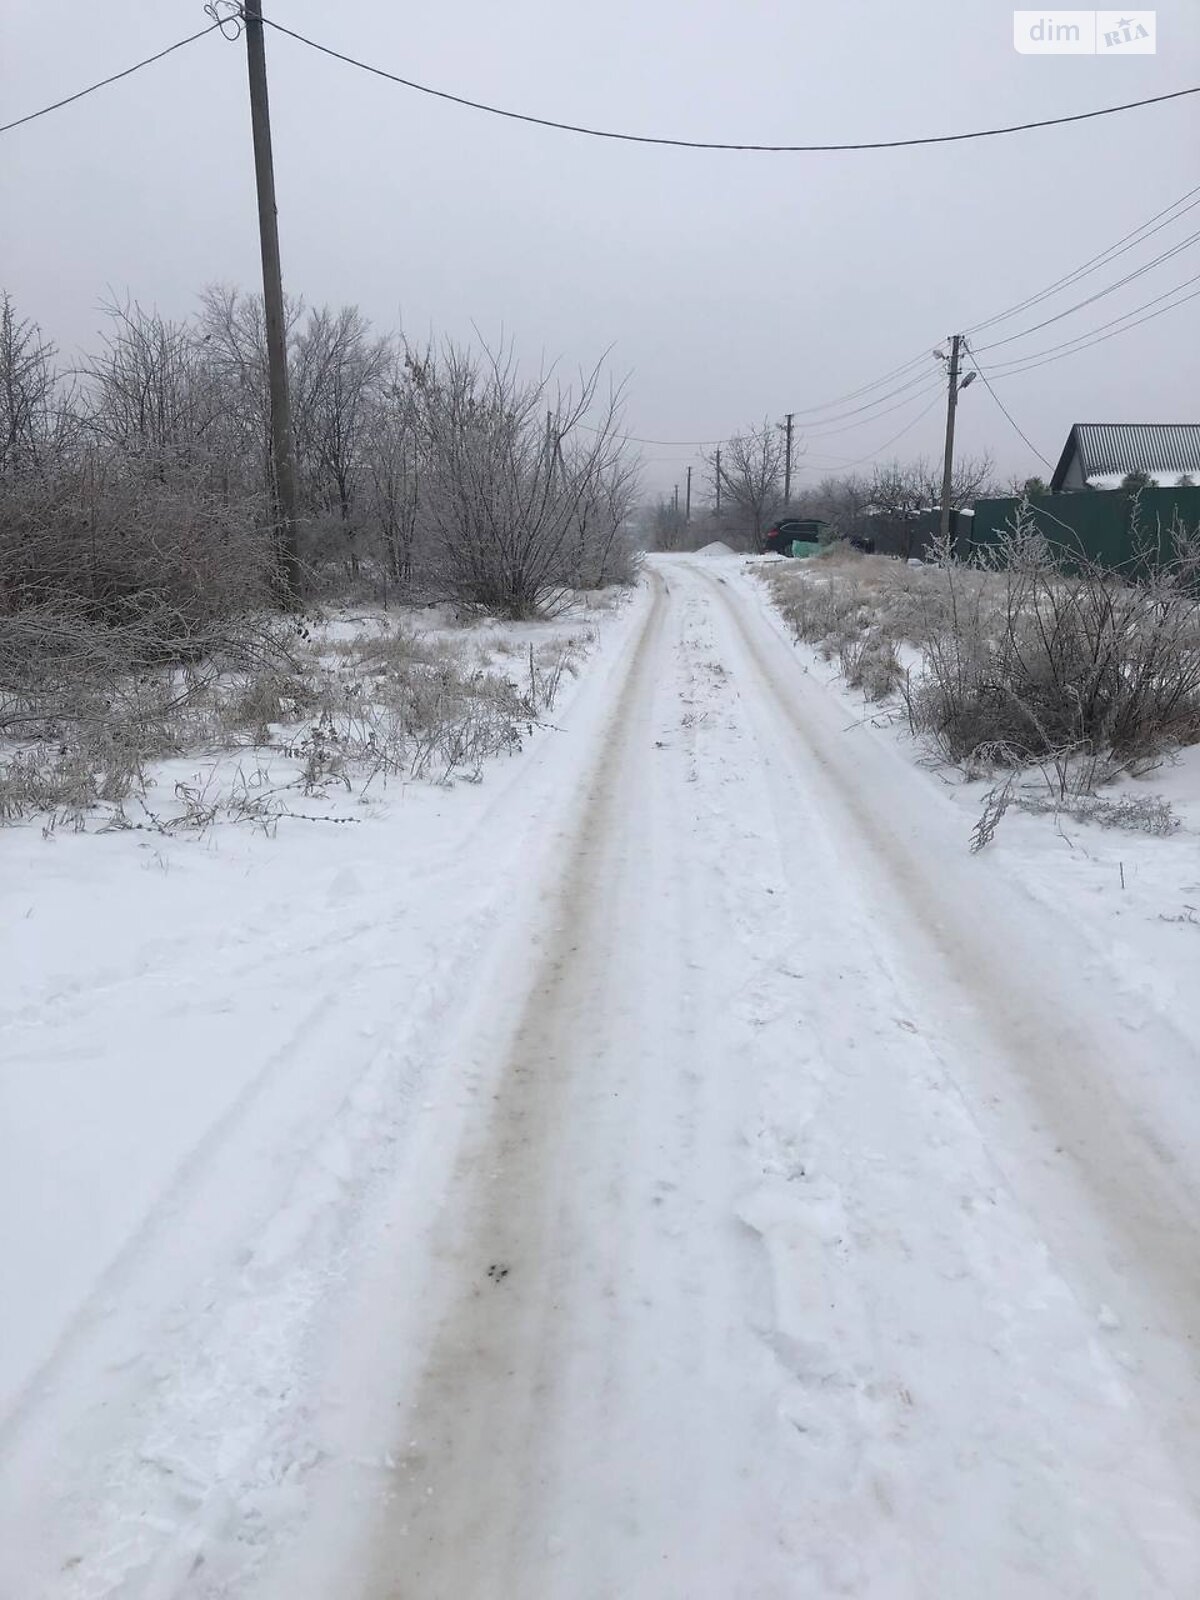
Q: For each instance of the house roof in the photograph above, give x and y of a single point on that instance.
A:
(1121, 447)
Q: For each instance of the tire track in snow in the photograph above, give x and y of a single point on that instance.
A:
(466, 1479)
(1090, 1155)
(576, 1433)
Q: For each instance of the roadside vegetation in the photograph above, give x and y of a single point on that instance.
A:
(1013, 668)
(141, 611)
(743, 489)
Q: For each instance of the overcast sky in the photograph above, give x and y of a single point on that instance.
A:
(729, 286)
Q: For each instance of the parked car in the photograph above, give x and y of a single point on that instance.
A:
(782, 535)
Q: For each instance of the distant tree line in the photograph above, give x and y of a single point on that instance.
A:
(744, 488)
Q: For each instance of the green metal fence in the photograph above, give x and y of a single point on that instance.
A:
(1115, 528)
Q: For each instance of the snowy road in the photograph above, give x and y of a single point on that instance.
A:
(780, 1204)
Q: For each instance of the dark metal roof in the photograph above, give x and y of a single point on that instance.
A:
(1131, 447)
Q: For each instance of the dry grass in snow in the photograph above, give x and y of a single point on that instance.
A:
(1057, 682)
(279, 718)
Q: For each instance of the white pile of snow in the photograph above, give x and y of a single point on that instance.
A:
(716, 548)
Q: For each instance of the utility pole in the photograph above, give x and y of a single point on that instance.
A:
(787, 459)
(718, 480)
(268, 230)
(553, 447)
(948, 468)
(676, 500)
(687, 516)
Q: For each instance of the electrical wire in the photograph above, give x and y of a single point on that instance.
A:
(822, 423)
(863, 422)
(1084, 340)
(1120, 283)
(666, 444)
(1081, 345)
(1012, 420)
(179, 44)
(1026, 363)
(1128, 241)
(1145, 230)
(921, 384)
(866, 388)
(896, 437)
(718, 144)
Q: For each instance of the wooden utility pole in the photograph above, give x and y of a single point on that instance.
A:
(687, 516)
(948, 468)
(787, 459)
(718, 480)
(268, 231)
(553, 448)
(675, 500)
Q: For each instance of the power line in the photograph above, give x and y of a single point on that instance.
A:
(896, 437)
(1120, 283)
(666, 444)
(1145, 230)
(1031, 360)
(821, 426)
(608, 133)
(1081, 345)
(718, 144)
(863, 422)
(1012, 420)
(1127, 242)
(896, 372)
(32, 116)
(1058, 352)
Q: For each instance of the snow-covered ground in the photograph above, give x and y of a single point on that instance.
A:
(672, 1167)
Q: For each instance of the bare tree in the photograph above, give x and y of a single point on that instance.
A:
(751, 480)
(339, 371)
(232, 328)
(666, 526)
(391, 449)
(904, 490)
(152, 392)
(602, 550)
(31, 421)
(901, 494)
(510, 477)
(842, 503)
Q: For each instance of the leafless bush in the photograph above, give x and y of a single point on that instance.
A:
(519, 500)
(1021, 660)
(548, 666)
(263, 697)
(1058, 681)
(995, 804)
(430, 723)
(822, 612)
(1044, 660)
(96, 763)
(870, 663)
(1147, 813)
(119, 545)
